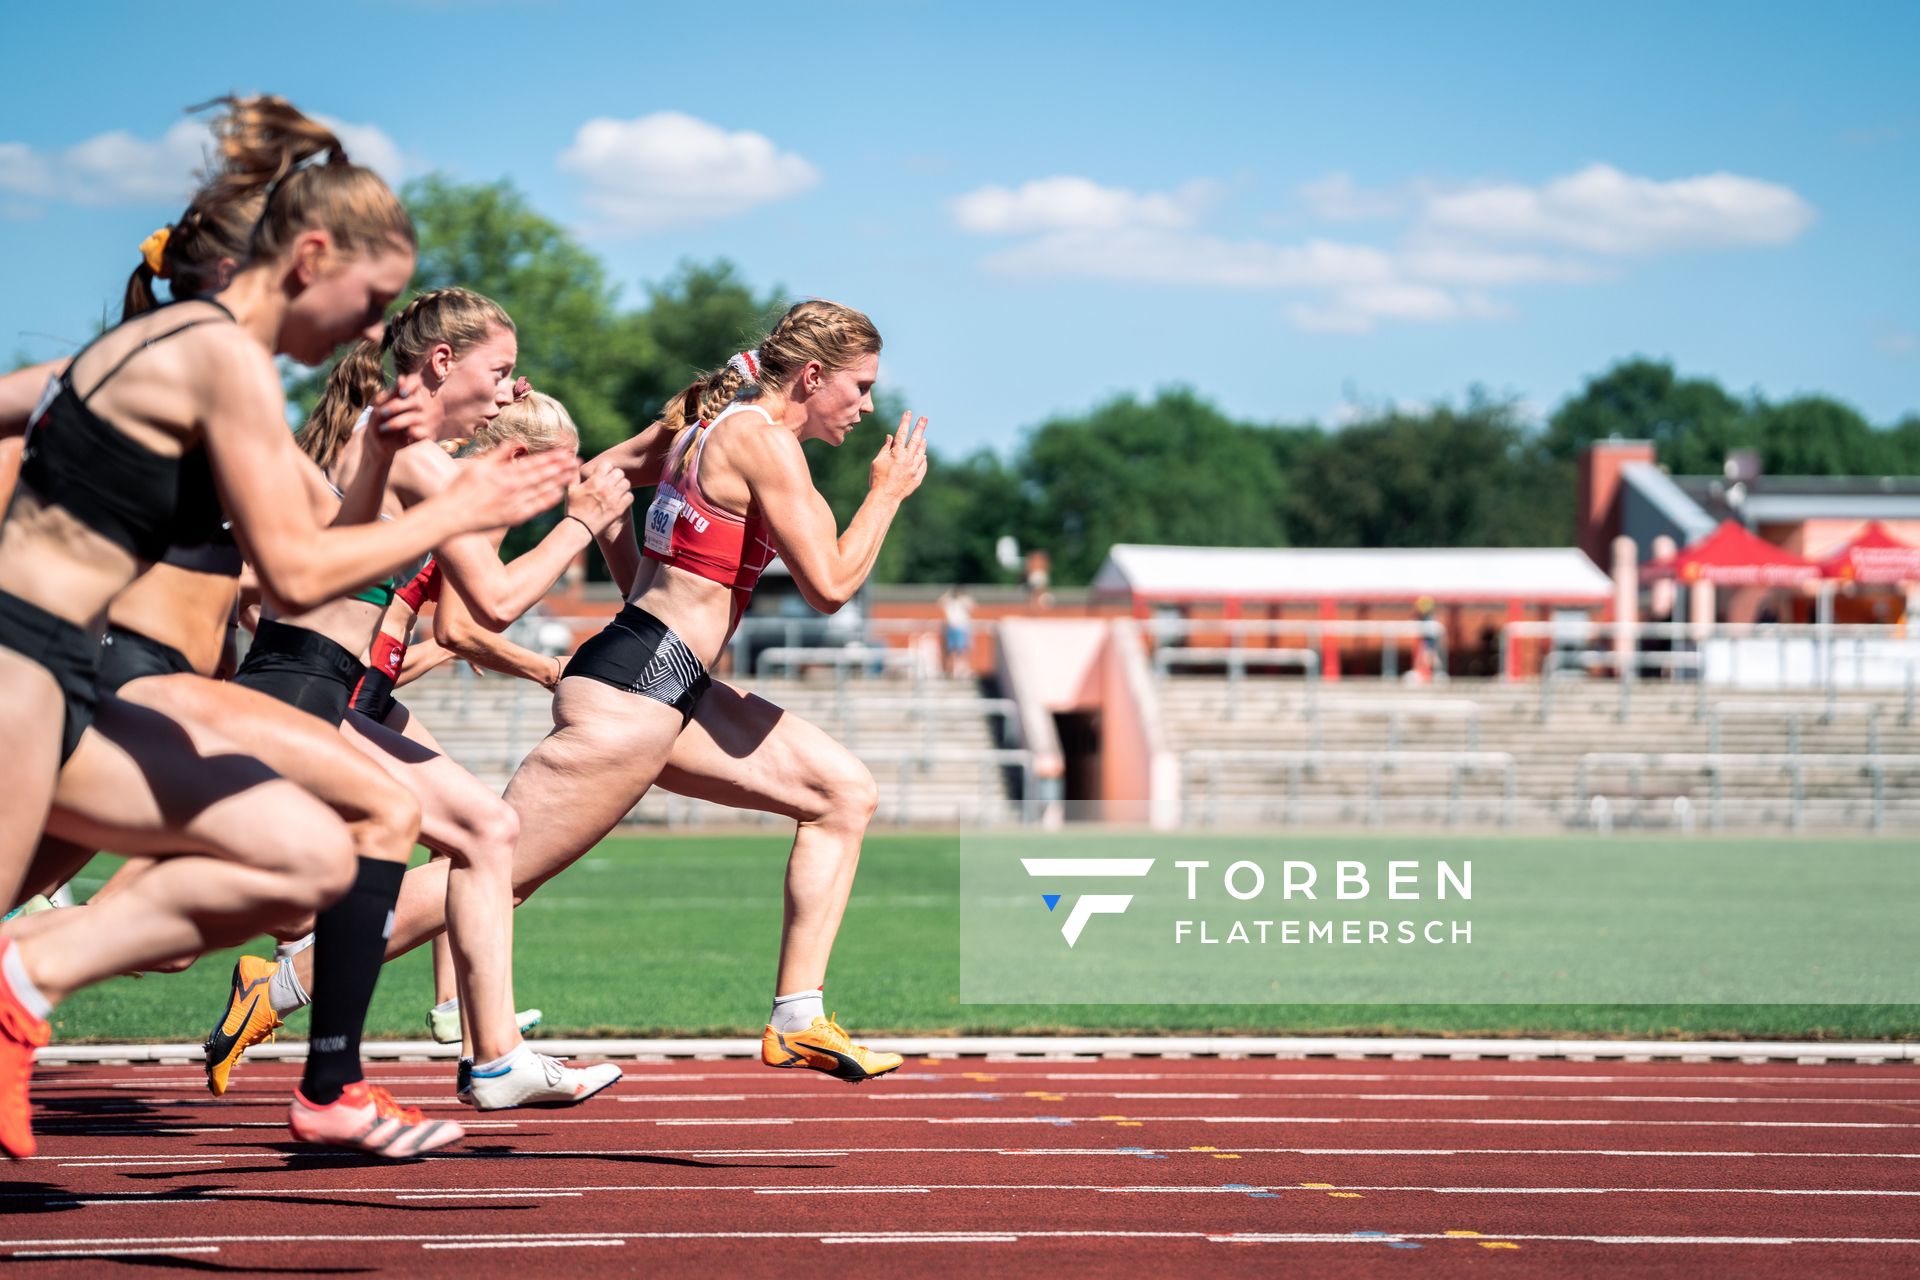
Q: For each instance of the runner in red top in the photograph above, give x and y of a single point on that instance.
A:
(689, 532)
(733, 488)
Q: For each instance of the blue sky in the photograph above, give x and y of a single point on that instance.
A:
(1290, 209)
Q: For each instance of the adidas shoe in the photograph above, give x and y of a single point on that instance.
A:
(366, 1118)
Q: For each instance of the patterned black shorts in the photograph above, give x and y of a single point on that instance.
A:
(638, 653)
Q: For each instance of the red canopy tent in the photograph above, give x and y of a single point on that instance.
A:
(1732, 557)
(1875, 557)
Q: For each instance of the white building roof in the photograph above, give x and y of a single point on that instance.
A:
(1271, 573)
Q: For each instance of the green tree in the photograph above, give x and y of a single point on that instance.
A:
(1818, 436)
(692, 322)
(488, 239)
(1472, 477)
(1171, 470)
(1691, 421)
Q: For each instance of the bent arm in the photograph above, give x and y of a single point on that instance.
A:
(455, 628)
(422, 656)
(828, 570)
(496, 593)
(257, 468)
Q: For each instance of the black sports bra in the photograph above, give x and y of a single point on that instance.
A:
(143, 501)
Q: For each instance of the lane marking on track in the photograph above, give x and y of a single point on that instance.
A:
(896, 1096)
(1350, 1190)
(148, 1244)
(480, 1195)
(929, 1239)
(745, 1122)
(1161, 1153)
(141, 1164)
(526, 1244)
(112, 1253)
(259, 1077)
(844, 1191)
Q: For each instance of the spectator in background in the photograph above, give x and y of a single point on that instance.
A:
(956, 641)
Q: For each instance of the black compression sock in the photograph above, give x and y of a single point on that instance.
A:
(349, 945)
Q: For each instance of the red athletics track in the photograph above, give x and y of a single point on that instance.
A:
(1029, 1167)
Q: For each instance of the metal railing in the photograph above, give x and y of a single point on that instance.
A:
(1173, 633)
(1826, 655)
(1716, 766)
(1235, 662)
(1795, 714)
(845, 660)
(1303, 766)
(1397, 713)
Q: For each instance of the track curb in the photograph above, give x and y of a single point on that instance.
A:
(1810, 1052)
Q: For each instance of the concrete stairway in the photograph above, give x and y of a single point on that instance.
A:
(1367, 719)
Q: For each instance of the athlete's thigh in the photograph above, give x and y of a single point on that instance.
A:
(302, 748)
(746, 753)
(579, 781)
(452, 800)
(142, 782)
(403, 722)
(31, 716)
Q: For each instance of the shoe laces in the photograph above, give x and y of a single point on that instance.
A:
(555, 1069)
(839, 1033)
(387, 1109)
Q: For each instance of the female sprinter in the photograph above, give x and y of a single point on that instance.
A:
(463, 348)
(735, 489)
(178, 417)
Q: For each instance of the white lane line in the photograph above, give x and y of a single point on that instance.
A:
(988, 1094)
(470, 1195)
(110, 1253)
(714, 1121)
(928, 1188)
(844, 1191)
(530, 1239)
(746, 1153)
(528, 1244)
(638, 1073)
(927, 1239)
(140, 1164)
(1312, 1237)
(1063, 1119)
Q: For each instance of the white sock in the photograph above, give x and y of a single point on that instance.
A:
(448, 1006)
(502, 1062)
(288, 950)
(284, 991)
(797, 1011)
(29, 996)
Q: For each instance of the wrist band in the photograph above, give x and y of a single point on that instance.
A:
(583, 524)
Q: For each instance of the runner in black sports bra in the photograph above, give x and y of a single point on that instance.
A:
(137, 499)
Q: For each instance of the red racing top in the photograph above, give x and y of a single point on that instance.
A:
(686, 530)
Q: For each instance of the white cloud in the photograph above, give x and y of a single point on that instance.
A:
(1076, 204)
(1602, 210)
(1462, 264)
(1450, 246)
(1152, 256)
(670, 169)
(1335, 198)
(119, 168)
(1900, 342)
(1359, 310)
